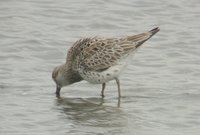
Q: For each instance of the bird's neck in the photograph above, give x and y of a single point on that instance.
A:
(70, 75)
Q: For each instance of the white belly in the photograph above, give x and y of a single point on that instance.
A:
(104, 76)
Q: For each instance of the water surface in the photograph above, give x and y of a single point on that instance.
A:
(160, 87)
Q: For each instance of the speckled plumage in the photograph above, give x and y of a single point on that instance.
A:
(98, 60)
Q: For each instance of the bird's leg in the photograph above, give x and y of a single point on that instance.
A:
(103, 87)
(118, 85)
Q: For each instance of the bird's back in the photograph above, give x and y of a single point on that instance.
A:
(99, 54)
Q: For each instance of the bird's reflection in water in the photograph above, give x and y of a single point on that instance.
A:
(91, 115)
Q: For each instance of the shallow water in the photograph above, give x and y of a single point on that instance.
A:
(160, 87)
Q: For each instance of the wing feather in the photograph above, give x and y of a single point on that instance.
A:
(98, 54)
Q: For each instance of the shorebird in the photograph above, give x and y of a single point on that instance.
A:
(98, 60)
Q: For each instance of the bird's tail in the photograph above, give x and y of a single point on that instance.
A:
(154, 31)
(139, 39)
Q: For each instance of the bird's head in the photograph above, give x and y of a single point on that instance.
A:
(60, 77)
(63, 76)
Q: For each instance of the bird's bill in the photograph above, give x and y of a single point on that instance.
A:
(58, 90)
